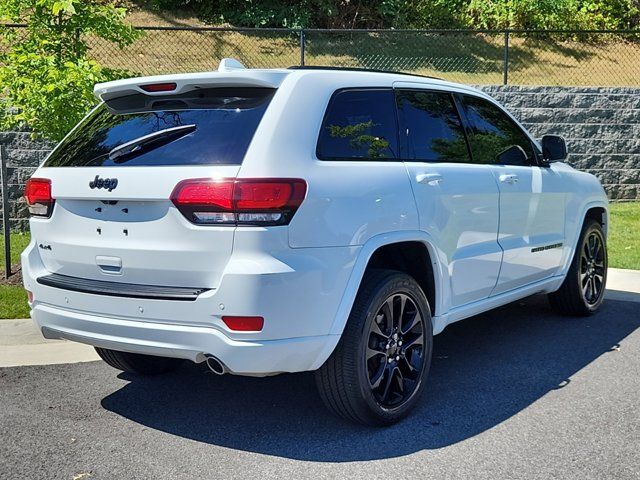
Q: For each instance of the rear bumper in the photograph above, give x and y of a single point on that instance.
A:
(188, 342)
(296, 291)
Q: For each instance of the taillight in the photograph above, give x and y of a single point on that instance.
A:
(37, 192)
(267, 201)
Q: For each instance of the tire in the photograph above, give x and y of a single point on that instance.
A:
(587, 273)
(345, 380)
(137, 363)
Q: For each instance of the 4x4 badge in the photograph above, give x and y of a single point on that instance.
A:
(106, 183)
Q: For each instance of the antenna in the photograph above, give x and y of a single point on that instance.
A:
(228, 64)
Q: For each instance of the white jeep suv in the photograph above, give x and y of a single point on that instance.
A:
(268, 221)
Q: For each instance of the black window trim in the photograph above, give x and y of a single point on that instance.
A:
(456, 107)
(323, 158)
(535, 162)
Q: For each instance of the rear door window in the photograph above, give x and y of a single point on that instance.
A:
(212, 126)
(430, 128)
(359, 125)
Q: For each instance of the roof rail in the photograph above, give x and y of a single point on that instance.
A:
(357, 69)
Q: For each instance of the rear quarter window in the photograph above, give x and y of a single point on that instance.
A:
(359, 125)
(224, 121)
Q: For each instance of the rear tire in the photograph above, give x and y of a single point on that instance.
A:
(137, 363)
(582, 291)
(377, 372)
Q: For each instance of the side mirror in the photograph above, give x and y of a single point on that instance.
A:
(554, 148)
(513, 155)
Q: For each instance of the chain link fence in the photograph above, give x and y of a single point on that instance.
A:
(488, 57)
(603, 58)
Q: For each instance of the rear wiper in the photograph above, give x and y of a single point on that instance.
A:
(146, 143)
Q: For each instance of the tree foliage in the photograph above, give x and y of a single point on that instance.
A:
(551, 14)
(516, 14)
(46, 74)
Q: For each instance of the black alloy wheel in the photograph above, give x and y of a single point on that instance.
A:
(395, 351)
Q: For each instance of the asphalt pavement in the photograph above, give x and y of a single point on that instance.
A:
(517, 392)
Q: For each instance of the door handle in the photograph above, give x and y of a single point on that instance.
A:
(509, 178)
(429, 178)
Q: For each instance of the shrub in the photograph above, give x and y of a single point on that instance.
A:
(46, 74)
(516, 14)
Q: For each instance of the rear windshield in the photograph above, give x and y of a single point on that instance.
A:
(211, 126)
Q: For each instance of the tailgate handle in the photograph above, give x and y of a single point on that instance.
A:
(110, 265)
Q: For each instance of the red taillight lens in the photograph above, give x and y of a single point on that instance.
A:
(37, 192)
(240, 202)
(29, 297)
(244, 324)
(218, 194)
(159, 87)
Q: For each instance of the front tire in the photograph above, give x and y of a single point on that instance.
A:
(378, 370)
(582, 291)
(137, 363)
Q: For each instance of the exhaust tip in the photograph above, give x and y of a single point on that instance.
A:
(216, 366)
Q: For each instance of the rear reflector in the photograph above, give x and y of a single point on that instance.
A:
(159, 87)
(244, 324)
(37, 192)
(267, 201)
(29, 296)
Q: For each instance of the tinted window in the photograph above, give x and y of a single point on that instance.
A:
(493, 132)
(430, 128)
(224, 119)
(359, 125)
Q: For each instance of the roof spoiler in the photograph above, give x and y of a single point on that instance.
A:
(230, 73)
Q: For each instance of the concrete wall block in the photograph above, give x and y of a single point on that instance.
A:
(19, 157)
(603, 161)
(19, 224)
(582, 130)
(23, 140)
(617, 177)
(577, 115)
(623, 192)
(600, 145)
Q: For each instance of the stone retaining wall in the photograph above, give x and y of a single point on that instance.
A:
(601, 126)
(23, 155)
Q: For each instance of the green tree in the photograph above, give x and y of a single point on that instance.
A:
(46, 74)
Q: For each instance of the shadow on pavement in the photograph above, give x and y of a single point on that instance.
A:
(485, 370)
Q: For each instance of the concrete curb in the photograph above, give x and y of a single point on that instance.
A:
(46, 354)
(22, 344)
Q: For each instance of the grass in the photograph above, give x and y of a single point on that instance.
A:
(13, 298)
(624, 241)
(624, 252)
(19, 242)
(13, 302)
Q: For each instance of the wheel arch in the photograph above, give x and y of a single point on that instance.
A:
(385, 251)
(599, 214)
(597, 210)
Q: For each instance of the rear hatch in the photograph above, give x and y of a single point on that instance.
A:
(113, 176)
